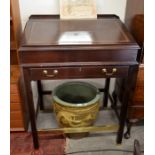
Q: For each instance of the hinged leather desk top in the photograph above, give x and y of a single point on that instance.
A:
(107, 40)
(47, 32)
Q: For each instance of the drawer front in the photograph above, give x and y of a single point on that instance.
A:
(15, 106)
(139, 90)
(16, 115)
(139, 94)
(140, 77)
(15, 98)
(136, 113)
(14, 89)
(16, 125)
(78, 72)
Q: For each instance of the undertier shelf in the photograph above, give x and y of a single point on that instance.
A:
(106, 121)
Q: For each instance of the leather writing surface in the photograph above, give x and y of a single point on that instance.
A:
(45, 32)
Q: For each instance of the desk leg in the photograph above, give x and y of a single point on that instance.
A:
(40, 95)
(130, 85)
(30, 104)
(106, 93)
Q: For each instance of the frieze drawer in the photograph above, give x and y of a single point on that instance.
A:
(78, 72)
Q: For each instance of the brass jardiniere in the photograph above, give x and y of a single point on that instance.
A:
(76, 104)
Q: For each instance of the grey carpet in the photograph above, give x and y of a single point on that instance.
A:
(102, 141)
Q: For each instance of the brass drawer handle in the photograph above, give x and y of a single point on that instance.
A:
(55, 72)
(104, 70)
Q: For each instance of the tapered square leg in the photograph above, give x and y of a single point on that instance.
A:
(130, 84)
(30, 105)
(106, 93)
(40, 94)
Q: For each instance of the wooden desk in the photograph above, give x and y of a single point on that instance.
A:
(112, 52)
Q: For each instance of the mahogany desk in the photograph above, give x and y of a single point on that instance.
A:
(109, 51)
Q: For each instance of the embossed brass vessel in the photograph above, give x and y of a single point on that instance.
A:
(76, 104)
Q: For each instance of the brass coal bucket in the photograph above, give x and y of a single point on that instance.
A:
(76, 104)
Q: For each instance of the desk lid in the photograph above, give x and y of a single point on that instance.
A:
(51, 31)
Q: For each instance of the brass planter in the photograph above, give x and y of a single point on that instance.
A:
(76, 104)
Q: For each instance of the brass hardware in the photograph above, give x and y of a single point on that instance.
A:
(55, 72)
(104, 70)
(105, 128)
(45, 72)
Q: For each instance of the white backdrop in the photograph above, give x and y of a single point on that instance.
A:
(28, 7)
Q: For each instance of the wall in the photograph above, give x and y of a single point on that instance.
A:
(28, 7)
(133, 7)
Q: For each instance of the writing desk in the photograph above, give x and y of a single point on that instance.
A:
(108, 50)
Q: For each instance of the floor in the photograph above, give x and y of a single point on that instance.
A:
(96, 143)
(103, 144)
(50, 144)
